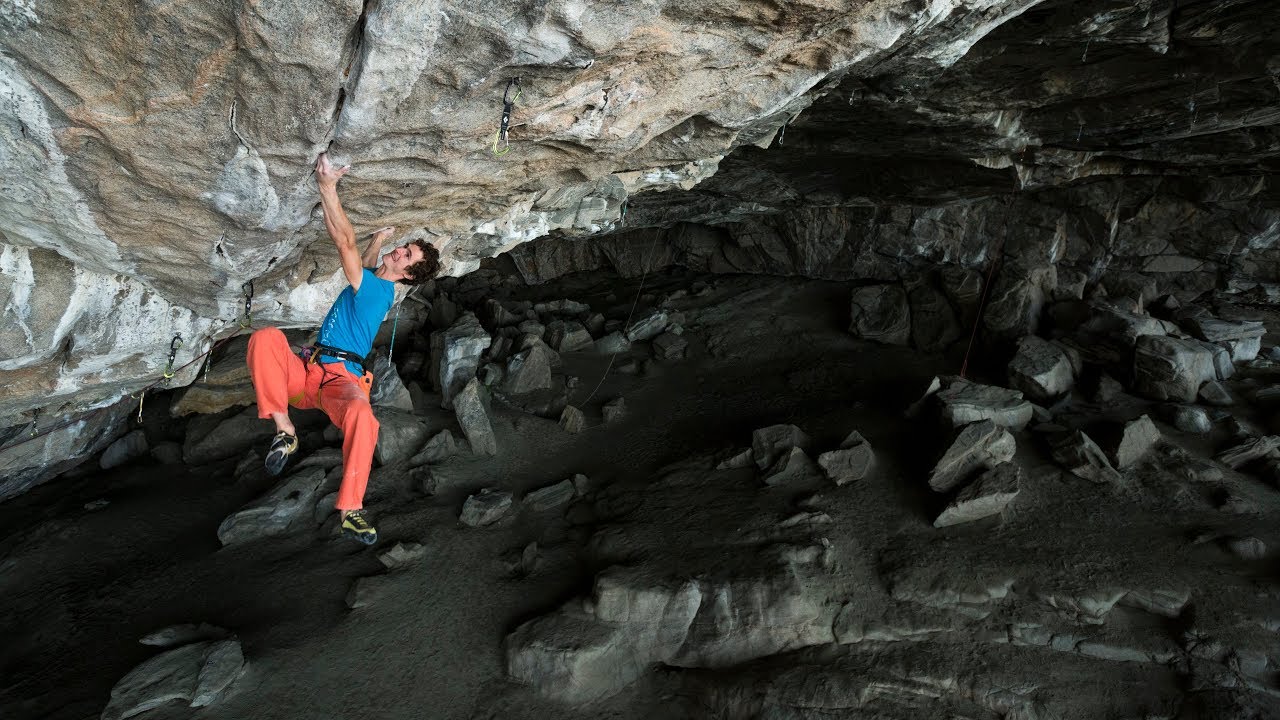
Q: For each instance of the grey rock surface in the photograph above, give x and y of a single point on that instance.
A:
(964, 402)
(473, 416)
(881, 313)
(196, 674)
(400, 435)
(1079, 454)
(982, 444)
(485, 508)
(133, 445)
(770, 443)
(1040, 369)
(987, 495)
(285, 508)
(461, 346)
(1166, 368)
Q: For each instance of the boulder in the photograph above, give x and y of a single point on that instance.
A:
(167, 453)
(965, 402)
(647, 326)
(287, 507)
(1257, 448)
(442, 446)
(1166, 368)
(529, 370)
(460, 349)
(986, 496)
(177, 635)
(567, 336)
(209, 440)
(880, 313)
(1206, 327)
(1137, 437)
(402, 555)
(1078, 453)
(485, 508)
(572, 419)
(982, 444)
(551, 496)
(1040, 369)
(197, 674)
(564, 308)
(614, 410)
(853, 461)
(1189, 418)
(473, 416)
(1215, 393)
(612, 344)
(791, 468)
(770, 443)
(669, 346)
(400, 435)
(132, 445)
(388, 389)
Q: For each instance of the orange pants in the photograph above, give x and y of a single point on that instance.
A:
(281, 379)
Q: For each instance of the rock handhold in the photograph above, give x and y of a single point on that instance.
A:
(791, 468)
(1167, 368)
(197, 674)
(572, 419)
(770, 443)
(402, 555)
(551, 496)
(986, 496)
(880, 313)
(853, 461)
(982, 444)
(485, 508)
(1078, 453)
(965, 402)
(474, 419)
(286, 507)
(1040, 369)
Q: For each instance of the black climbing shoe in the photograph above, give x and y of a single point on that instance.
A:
(355, 526)
(282, 447)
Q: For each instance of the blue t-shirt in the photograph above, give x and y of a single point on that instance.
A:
(354, 319)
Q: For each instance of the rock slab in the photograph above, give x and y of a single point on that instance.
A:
(986, 496)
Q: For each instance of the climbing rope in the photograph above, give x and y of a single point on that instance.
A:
(636, 301)
(982, 302)
(508, 104)
(394, 324)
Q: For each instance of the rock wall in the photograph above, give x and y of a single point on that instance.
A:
(157, 158)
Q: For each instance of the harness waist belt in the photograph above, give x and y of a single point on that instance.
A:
(337, 353)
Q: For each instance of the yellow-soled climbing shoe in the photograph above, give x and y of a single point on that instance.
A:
(282, 447)
(355, 526)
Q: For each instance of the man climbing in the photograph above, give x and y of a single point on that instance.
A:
(329, 375)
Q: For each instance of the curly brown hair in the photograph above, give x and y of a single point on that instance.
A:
(424, 269)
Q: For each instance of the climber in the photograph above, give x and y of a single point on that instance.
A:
(329, 374)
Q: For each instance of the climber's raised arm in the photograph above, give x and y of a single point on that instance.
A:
(335, 220)
(370, 256)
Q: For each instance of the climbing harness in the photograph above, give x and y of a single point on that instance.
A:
(247, 320)
(508, 104)
(174, 344)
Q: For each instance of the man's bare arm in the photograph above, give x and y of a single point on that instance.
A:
(370, 256)
(335, 220)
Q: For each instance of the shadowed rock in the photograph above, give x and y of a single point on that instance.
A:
(981, 444)
(197, 674)
(287, 507)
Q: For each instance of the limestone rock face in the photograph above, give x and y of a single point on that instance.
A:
(881, 313)
(157, 160)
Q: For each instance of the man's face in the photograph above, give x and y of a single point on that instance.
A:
(402, 257)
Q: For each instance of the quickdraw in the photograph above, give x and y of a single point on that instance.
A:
(508, 104)
(174, 344)
(247, 320)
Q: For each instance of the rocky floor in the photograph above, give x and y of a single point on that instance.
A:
(705, 559)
